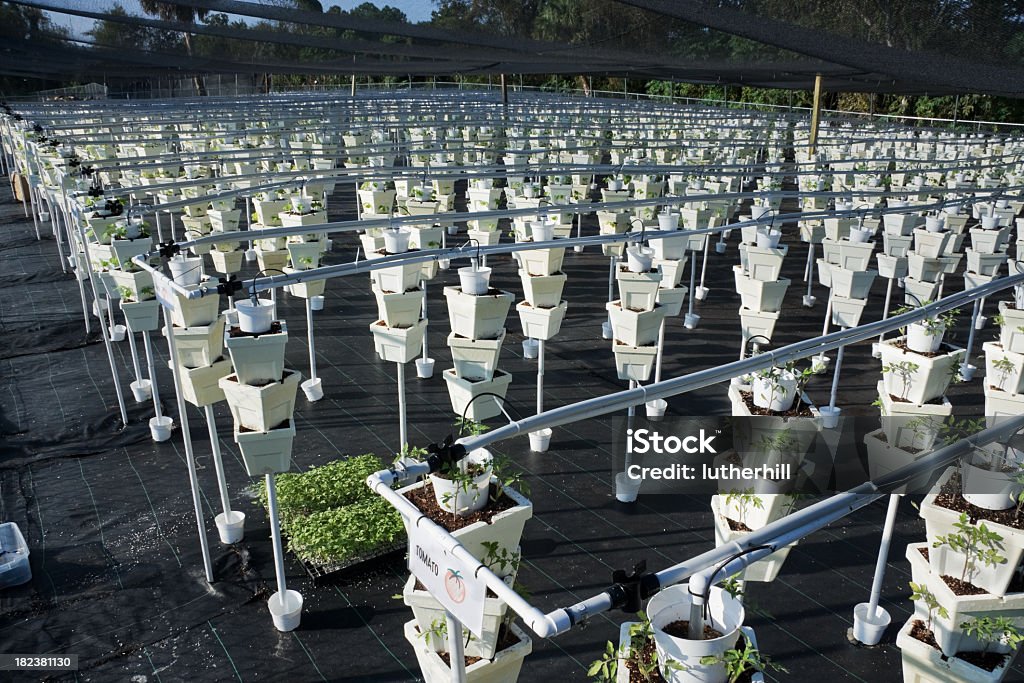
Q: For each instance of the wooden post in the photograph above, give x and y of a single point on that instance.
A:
(815, 114)
(504, 90)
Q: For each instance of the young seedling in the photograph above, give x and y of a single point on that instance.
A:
(905, 370)
(605, 669)
(977, 543)
(991, 630)
(739, 661)
(920, 592)
(1003, 367)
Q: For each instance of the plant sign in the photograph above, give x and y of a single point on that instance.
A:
(449, 580)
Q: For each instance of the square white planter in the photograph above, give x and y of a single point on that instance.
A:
(930, 244)
(671, 271)
(855, 255)
(304, 255)
(635, 328)
(1002, 404)
(895, 245)
(899, 223)
(258, 359)
(271, 260)
(891, 267)
(673, 247)
(922, 663)
(773, 506)
(1011, 333)
(838, 228)
(923, 269)
(884, 458)
(262, 408)
(757, 323)
(398, 344)
(400, 278)
(224, 221)
(477, 317)
(543, 290)
(812, 232)
(304, 290)
(141, 316)
(125, 250)
(201, 345)
(928, 381)
(266, 452)
(950, 263)
(985, 264)
(672, 300)
(294, 220)
(505, 528)
(912, 425)
(959, 608)
(918, 291)
(427, 611)
(227, 261)
(758, 295)
(830, 251)
(542, 261)
(424, 237)
(1003, 378)
(634, 362)
(504, 668)
(399, 309)
(267, 211)
(824, 269)
(541, 322)
(199, 385)
(945, 561)
(763, 264)
(989, 241)
(475, 359)
(765, 570)
(846, 311)
(462, 391)
(852, 284)
(637, 291)
(193, 312)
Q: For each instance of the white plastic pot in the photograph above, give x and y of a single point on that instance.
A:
(656, 409)
(474, 281)
(186, 270)
(424, 368)
(920, 340)
(286, 611)
(860, 235)
(142, 390)
(542, 231)
(768, 239)
(639, 259)
(775, 393)
(673, 604)
(690, 320)
(991, 490)
(626, 489)
(466, 499)
(160, 428)
(530, 348)
(540, 440)
(934, 223)
(255, 317)
(396, 241)
(230, 526)
(829, 416)
(313, 389)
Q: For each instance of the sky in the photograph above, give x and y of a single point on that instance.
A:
(415, 10)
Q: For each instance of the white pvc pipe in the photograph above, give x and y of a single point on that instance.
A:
(883, 554)
(150, 370)
(190, 458)
(885, 307)
(540, 376)
(456, 652)
(402, 430)
(309, 335)
(275, 536)
(218, 464)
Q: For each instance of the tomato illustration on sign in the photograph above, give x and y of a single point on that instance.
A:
(455, 586)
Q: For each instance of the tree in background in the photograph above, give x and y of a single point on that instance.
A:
(182, 13)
